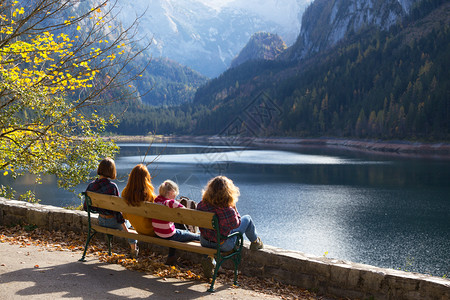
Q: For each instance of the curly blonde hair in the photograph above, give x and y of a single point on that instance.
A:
(221, 192)
(168, 186)
(139, 187)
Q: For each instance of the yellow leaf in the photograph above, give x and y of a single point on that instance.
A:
(5, 173)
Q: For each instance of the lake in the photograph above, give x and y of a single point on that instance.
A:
(387, 211)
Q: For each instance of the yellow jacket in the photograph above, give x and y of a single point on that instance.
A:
(141, 224)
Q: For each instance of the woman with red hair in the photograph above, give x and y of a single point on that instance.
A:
(139, 189)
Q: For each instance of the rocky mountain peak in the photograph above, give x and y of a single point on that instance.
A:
(206, 35)
(262, 45)
(326, 22)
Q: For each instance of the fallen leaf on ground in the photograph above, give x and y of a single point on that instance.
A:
(148, 262)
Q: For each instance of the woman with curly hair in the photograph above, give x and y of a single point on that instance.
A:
(220, 197)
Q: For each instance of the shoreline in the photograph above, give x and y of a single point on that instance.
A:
(402, 148)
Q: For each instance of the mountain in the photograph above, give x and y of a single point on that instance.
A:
(166, 82)
(194, 34)
(326, 22)
(262, 45)
(206, 35)
(387, 80)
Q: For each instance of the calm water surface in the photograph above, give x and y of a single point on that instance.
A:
(384, 211)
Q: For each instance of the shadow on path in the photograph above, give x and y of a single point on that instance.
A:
(54, 277)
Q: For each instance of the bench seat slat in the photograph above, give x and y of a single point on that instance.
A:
(188, 246)
(151, 210)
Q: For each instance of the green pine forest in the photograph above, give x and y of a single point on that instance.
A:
(375, 84)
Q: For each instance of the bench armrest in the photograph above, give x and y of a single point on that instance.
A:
(231, 235)
(239, 240)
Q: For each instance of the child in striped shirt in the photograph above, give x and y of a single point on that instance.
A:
(168, 191)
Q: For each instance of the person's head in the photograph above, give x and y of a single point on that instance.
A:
(221, 192)
(107, 168)
(169, 189)
(139, 187)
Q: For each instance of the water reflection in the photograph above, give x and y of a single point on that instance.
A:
(160, 149)
(363, 208)
(242, 156)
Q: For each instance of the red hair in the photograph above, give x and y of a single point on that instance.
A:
(139, 187)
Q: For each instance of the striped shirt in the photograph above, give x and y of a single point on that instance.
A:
(165, 229)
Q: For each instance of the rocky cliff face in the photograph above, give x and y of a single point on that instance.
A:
(326, 22)
(262, 45)
(206, 35)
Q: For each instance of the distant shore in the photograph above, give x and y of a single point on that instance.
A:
(382, 147)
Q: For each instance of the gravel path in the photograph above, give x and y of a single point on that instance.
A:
(32, 272)
(44, 265)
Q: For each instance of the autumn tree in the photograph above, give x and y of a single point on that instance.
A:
(59, 59)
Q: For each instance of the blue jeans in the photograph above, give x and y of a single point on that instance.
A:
(184, 236)
(112, 223)
(246, 227)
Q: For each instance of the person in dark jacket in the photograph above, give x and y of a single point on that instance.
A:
(106, 171)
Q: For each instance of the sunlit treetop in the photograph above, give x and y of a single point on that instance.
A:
(52, 67)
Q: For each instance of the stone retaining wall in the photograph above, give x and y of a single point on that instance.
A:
(326, 276)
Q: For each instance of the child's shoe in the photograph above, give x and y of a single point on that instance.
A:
(208, 265)
(188, 203)
(191, 204)
(256, 245)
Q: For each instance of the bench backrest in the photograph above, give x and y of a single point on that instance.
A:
(151, 210)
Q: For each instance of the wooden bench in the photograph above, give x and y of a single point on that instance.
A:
(178, 215)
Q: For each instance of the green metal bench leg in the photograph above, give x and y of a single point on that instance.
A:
(236, 265)
(216, 270)
(90, 236)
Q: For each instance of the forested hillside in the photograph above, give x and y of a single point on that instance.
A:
(374, 84)
(167, 83)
